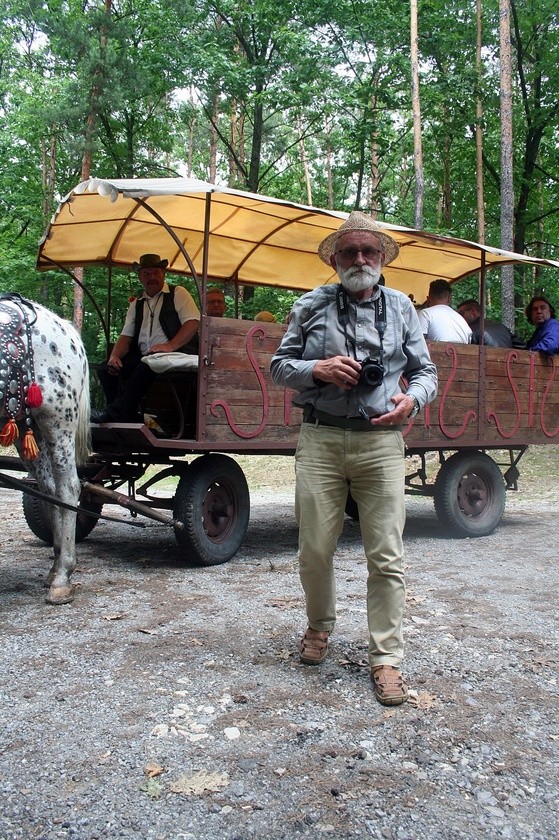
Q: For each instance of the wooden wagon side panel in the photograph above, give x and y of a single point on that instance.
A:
(239, 404)
(489, 397)
(486, 397)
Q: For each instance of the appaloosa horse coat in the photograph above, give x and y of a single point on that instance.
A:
(44, 401)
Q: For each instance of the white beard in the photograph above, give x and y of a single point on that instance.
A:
(358, 279)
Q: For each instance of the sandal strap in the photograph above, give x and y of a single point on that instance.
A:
(390, 685)
(314, 645)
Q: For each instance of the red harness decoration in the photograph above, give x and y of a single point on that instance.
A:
(18, 390)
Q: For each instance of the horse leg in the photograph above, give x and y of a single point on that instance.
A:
(56, 474)
(67, 489)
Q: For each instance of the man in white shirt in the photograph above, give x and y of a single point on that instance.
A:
(164, 319)
(438, 320)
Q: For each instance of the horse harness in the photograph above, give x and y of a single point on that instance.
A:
(19, 392)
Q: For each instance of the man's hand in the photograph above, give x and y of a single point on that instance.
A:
(119, 351)
(342, 371)
(114, 364)
(160, 348)
(399, 416)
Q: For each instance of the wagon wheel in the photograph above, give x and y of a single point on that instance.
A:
(212, 500)
(469, 494)
(37, 516)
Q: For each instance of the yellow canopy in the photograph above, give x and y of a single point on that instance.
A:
(251, 239)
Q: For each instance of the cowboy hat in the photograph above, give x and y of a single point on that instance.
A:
(150, 261)
(359, 221)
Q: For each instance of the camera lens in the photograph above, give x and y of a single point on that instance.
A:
(372, 373)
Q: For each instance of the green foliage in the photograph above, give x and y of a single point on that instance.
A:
(306, 101)
(276, 301)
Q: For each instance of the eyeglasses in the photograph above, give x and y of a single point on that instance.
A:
(368, 253)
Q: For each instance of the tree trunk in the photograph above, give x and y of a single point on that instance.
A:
(48, 182)
(416, 108)
(507, 189)
(191, 137)
(447, 189)
(256, 149)
(86, 158)
(479, 132)
(214, 139)
(304, 161)
(375, 174)
(329, 178)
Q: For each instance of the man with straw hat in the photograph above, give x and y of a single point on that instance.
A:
(163, 319)
(347, 348)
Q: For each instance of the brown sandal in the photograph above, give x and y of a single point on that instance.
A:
(313, 647)
(389, 684)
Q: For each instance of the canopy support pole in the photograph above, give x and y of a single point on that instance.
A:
(103, 320)
(177, 241)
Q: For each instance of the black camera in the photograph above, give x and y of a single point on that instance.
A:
(371, 374)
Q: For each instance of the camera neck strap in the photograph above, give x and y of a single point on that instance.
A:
(342, 304)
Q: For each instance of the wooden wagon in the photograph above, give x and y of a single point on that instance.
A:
(464, 447)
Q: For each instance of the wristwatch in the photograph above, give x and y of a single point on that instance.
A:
(416, 407)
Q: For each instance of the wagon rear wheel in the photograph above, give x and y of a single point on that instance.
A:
(212, 500)
(469, 494)
(37, 515)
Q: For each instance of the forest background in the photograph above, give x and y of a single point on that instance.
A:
(338, 105)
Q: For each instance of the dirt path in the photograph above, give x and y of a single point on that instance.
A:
(169, 702)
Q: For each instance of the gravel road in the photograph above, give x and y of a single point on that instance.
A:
(168, 703)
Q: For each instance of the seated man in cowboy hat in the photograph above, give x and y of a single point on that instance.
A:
(164, 319)
(346, 352)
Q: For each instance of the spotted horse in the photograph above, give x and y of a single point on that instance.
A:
(44, 412)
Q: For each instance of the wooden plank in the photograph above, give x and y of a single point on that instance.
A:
(239, 401)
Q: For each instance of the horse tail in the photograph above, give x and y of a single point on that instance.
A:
(83, 431)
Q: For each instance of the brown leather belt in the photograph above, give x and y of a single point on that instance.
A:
(321, 418)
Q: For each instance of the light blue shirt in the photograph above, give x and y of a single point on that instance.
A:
(315, 332)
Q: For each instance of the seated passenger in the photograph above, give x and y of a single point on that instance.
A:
(164, 319)
(215, 302)
(494, 333)
(438, 320)
(541, 314)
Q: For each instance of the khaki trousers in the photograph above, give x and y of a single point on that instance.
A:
(327, 462)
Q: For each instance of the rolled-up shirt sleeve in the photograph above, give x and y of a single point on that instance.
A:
(288, 367)
(420, 372)
(185, 305)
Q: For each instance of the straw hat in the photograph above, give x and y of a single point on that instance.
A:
(150, 261)
(359, 221)
(265, 316)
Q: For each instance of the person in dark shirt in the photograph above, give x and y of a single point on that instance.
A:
(494, 333)
(545, 337)
(163, 319)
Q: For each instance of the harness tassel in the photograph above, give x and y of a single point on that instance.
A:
(9, 433)
(34, 396)
(29, 448)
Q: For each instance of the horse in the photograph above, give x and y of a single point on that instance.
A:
(44, 399)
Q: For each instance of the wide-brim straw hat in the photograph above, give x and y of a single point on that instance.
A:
(150, 261)
(359, 221)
